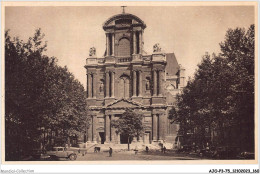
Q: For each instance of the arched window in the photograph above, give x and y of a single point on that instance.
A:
(124, 86)
(124, 47)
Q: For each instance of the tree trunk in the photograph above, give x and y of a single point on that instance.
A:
(68, 141)
(128, 143)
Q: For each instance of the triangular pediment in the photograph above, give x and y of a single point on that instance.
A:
(124, 103)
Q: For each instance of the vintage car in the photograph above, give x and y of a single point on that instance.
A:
(61, 152)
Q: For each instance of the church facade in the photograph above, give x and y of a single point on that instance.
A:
(128, 77)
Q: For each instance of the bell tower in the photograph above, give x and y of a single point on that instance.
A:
(124, 36)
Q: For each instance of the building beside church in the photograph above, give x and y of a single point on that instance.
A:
(128, 77)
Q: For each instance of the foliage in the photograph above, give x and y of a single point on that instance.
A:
(129, 124)
(40, 96)
(220, 97)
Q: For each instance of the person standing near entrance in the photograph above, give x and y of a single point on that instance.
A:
(146, 149)
(110, 151)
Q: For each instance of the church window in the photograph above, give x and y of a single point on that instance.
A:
(124, 86)
(123, 22)
(124, 47)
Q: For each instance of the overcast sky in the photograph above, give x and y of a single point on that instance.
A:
(189, 32)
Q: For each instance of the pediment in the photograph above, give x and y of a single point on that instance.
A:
(124, 103)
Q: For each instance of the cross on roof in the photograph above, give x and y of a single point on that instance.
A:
(123, 7)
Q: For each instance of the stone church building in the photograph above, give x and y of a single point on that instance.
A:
(127, 77)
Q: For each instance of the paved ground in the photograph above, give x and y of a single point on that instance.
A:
(119, 156)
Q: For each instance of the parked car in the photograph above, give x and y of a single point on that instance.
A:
(61, 152)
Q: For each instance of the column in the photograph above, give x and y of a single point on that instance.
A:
(89, 86)
(89, 138)
(154, 83)
(107, 126)
(162, 128)
(140, 83)
(113, 84)
(158, 126)
(113, 131)
(159, 82)
(107, 39)
(113, 44)
(155, 127)
(134, 83)
(107, 84)
(118, 138)
(94, 85)
(140, 42)
(94, 128)
(134, 42)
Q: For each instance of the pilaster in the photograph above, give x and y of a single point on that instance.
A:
(113, 131)
(154, 83)
(134, 83)
(112, 84)
(94, 129)
(155, 127)
(107, 128)
(134, 42)
(107, 84)
(94, 85)
(140, 83)
(107, 44)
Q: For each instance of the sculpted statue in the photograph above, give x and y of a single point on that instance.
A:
(101, 87)
(92, 51)
(157, 48)
(147, 84)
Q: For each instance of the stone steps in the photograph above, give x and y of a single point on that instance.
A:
(124, 147)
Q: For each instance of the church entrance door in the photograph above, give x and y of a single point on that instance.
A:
(102, 137)
(124, 139)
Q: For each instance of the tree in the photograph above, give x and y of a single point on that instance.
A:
(41, 98)
(129, 124)
(220, 97)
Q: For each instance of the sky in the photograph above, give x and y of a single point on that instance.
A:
(188, 31)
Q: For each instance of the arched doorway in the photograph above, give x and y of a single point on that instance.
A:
(124, 139)
(124, 86)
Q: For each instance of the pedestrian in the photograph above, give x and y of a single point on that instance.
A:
(164, 149)
(110, 152)
(146, 149)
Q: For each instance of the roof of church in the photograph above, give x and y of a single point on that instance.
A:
(172, 66)
(124, 16)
